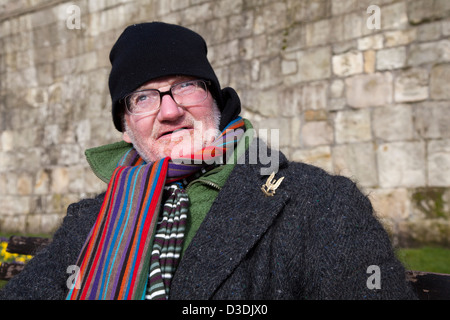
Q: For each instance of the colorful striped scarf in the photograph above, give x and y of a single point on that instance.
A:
(115, 261)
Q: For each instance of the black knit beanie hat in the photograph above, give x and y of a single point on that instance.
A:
(148, 51)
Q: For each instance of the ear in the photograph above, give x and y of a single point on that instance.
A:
(126, 137)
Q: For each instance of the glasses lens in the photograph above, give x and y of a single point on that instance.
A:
(190, 92)
(143, 101)
(148, 101)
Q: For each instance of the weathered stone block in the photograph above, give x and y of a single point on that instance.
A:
(337, 88)
(264, 102)
(411, 85)
(439, 82)
(24, 184)
(369, 61)
(354, 26)
(14, 205)
(394, 16)
(356, 161)
(392, 58)
(289, 102)
(315, 115)
(446, 27)
(51, 222)
(10, 182)
(431, 203)
(393, 123)
(273, 17)
(224, 53)
(373, 42)
(59, 180)
(400, 37)
(345, 46)
(76, 179)
(269, 70)
(401, 164)
(318, 156)
(312, 65)
(429, 32)
(309, 10)
(92, 184)
(369, 90)
(423, 232)
(318, 33)
(7, 140)
(352, 126)
(424, 10)
(294, 38)
(439, 163)
(13, 224)
(337, 104)
(314, 96)
(431, 120)
(282, 128)
(343, 6)
(391, 204)
(315, 133)
(241, 25)
(429, 52)
(347, 64)
(42, 182)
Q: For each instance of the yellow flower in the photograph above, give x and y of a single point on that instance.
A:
(12, 257)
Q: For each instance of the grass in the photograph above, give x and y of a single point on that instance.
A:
(430, 259)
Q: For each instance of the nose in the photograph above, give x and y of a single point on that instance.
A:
(169, 109)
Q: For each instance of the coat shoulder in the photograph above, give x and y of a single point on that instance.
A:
(315, 179)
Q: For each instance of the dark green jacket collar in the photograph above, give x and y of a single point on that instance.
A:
(103, 160)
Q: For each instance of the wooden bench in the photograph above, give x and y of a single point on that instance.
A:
(21, 245)
(430, 285)
(427, 285)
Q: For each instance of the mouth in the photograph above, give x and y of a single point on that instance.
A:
(170, 132)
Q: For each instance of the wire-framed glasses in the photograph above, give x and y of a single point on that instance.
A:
(148, 101)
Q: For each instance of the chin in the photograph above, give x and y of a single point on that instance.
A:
(182, 150)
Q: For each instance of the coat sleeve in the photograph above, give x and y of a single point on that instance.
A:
(45, 276)
(348, 253)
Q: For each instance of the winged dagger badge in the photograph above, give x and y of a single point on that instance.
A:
(271, 185)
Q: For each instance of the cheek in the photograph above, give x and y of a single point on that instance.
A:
(142, 126)
(203, 114)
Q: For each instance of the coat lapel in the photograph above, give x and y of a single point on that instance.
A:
(238, 218)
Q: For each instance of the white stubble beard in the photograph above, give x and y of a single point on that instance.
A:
(207, 137)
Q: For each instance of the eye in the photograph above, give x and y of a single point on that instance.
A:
(144, 98)
(185, 88)
(187, 84)
(141, 98)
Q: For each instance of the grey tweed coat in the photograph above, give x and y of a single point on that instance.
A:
(314, 239)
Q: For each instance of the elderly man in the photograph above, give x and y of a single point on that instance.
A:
(188, 215)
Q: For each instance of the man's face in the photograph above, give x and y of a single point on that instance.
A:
(174, 129)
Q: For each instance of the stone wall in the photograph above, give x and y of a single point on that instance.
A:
(356, 95)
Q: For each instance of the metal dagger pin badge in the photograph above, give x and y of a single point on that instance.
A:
(271, 185)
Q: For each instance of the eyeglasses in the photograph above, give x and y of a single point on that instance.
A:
(148, 101)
